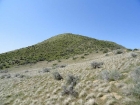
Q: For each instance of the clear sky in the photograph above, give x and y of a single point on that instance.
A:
(27, 22)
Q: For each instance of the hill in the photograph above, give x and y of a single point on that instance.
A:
(58, 47)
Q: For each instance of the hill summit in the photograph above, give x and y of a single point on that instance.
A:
(61, 46)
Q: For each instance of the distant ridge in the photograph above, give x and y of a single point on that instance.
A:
(61, 46)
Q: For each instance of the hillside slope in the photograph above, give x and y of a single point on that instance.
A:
(61, 46)
(36, 87)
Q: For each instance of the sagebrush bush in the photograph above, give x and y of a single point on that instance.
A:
(135, 75)
(62, 66)
(3, 71)
(111, 75)
(95, 64)
(69, 90)
(119, 51)
(71, 79)
(57, 76)
(134, 55)
(46, 70)
(136, 90)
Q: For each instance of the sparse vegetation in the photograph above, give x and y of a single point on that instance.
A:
(119, 51)
(110, 75)
(71, 79)
(134, 55)
(96, 64)
(3, 71)
(46, 70)
(70, 84)
(57, 76)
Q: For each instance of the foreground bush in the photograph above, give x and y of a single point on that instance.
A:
(57, 76)
(135, 75)
(96, 64)
(71, 82)
(134, 55)
(119, 51)
(111, 75)
(69, 91)
(46, 70)
(71, 79)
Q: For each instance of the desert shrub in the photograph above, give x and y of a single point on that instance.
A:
(105, 51)
(82, 57)
(57, 76)
(69, 91)
(86, 54)
(71, 82)
(5, 76)
(62, 66)
(54, 64)
(71, 79)
(17, 75)
(135, 49)
(129, 49)
(136, 90)
(96, 64)
(111, 75)
(2, 77)
(119, 51)
(46, 70)
(107, 54)
(8, 76)
(134, 55)
(3, 71)
(135, 75)
(21, 76)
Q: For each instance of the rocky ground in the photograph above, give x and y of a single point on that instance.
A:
(38, 86)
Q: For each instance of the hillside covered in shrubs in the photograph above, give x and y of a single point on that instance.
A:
(62, 46)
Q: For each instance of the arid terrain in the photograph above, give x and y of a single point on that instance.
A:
(36, 84)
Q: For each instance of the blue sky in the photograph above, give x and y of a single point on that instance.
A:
(27, 22)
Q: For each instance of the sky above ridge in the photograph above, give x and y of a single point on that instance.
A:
(27, 22)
